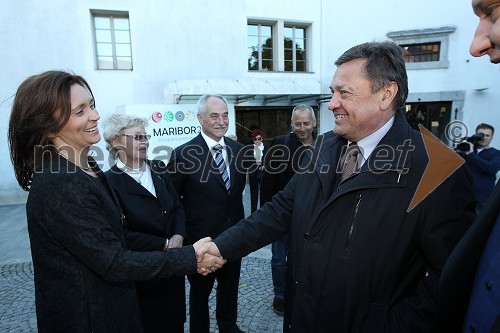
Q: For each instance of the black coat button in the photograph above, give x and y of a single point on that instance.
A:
(306, 235)
(489, 286)
(472, 328)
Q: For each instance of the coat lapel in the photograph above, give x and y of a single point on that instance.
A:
(370, 175)
(327, 160)
(133, 187)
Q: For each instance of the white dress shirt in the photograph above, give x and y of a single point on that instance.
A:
(368, 144)
(211, 144)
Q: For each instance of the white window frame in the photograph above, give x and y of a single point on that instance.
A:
(273, 30)
(111, 15)
(295, 26)
(278, 33)
(435, 35)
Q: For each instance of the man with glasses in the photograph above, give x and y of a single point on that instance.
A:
(279, 168)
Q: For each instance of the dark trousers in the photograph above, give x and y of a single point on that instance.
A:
(163, 304)
(228, 279)
(279, 251)
(254, 180)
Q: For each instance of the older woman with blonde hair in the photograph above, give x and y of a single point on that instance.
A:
(155, 216)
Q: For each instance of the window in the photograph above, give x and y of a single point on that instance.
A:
(113, 49)
(424, 49)
(421, 52)
(295, 49)
(277, 46)
(260, 47)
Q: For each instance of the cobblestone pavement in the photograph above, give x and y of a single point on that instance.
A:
(255, 314)
(17, 300)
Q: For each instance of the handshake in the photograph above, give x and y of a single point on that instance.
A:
(208, 256)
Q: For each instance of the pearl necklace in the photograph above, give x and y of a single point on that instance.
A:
(78, 165)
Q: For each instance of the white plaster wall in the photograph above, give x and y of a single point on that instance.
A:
(206, 40)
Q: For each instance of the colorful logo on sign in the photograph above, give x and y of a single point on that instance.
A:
(157, 117)
(169, 116)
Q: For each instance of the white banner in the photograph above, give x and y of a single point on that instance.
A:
(170, 125)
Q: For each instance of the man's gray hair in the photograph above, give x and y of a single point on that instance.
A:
(300, 108)
(202, 102)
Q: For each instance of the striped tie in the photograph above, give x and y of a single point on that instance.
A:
(221, 165)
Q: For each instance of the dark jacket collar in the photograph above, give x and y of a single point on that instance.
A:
(328, 148)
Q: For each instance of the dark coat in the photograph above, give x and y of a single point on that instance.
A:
(83, 273)
(150, 220)
(280, 165)
(358, 261)
(483, 167)
(458, 274)
(209, 208)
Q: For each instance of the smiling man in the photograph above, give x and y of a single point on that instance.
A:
(285, 151)
(210, 183)
(359, 260)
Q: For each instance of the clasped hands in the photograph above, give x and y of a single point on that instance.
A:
(208, 256)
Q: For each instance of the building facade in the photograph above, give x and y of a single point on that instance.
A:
(264, 56)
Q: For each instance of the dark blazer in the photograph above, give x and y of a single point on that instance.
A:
(209, 208)
(83, 273)
(358, 260)
(149, 219)
(283, 158)
(458, 274)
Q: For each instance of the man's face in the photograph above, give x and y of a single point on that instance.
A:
(215, 121)
(303, 125)
(357, 110)
(488, 135)
(487, 37)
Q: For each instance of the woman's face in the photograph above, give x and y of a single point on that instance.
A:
(81, 129)
(132, 145)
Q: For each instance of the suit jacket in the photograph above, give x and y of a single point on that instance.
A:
(458, 274)
(358, 260)
(280, 164)
(150, 219)
(209, 208)
(82, 270)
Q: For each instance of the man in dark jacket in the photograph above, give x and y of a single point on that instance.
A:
(209, 180)
(483, 162)
(283, 160)
(361, 258)
(469, 290)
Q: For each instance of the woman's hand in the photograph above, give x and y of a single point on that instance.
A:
(207, 253)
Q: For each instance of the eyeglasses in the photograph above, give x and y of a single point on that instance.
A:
(257, 139)
(138, 137)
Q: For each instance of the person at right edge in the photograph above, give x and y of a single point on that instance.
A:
(285, 149)
(361, 257)
(483, 162)
(469, 289)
